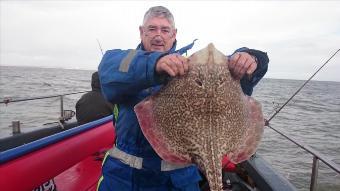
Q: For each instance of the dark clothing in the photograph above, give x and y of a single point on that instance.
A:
(95, 82)
(248, 84)
(92, 106)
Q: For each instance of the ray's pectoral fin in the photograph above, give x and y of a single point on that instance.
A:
(151, 130)
(253, 133)
(146, 119)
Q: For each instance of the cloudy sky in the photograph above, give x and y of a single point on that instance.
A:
(298, 36)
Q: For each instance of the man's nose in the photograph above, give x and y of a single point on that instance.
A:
(158, 37)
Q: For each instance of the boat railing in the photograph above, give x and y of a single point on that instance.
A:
(317, 156)
(64, 114)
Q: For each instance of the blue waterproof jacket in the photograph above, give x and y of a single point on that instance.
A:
(128, 76)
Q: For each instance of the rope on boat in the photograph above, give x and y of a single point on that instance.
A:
(303, 85)
(9, 100)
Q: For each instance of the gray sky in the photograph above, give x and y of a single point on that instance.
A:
(298, 36)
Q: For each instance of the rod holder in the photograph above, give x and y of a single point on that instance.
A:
(314, 176)
(61, 107)
(16, 127)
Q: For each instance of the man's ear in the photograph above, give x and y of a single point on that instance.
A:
(141, 31)
(174, 33)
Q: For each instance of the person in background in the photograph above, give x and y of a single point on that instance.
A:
(129, 76)
(92, 105)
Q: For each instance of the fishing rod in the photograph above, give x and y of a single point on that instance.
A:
(100, 47)
(303, 85)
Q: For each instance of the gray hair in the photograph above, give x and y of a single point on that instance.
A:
(159, 11)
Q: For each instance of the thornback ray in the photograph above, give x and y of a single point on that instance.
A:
(202, 116)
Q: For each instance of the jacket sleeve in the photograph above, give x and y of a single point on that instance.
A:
(248, 82)
(124, 73)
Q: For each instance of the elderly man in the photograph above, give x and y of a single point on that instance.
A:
(128, 76)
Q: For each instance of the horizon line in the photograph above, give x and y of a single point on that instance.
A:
(51, 67)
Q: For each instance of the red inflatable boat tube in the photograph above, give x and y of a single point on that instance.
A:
(33, 169)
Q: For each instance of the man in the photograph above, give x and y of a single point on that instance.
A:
(127, 77)
(92, 105)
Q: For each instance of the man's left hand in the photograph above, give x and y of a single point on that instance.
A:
(241, 63)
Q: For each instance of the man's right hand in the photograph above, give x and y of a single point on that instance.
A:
(172, 64)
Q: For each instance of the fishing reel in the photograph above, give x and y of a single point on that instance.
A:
(66, 115)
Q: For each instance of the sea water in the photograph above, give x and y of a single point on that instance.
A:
(312, 117)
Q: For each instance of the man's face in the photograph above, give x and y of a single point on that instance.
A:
(157, 34)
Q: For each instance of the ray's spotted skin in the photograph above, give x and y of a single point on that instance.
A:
(202, 116)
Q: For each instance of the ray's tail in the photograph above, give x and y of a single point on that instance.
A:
(212, 169)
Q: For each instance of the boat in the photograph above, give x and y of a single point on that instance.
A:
(71, 160)
(69, 156)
